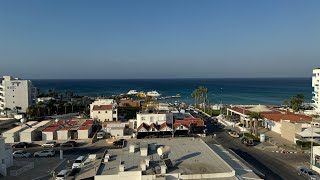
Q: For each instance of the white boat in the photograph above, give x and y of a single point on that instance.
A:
(153, 94)
(132, 92)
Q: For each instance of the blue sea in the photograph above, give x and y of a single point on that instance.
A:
(229, 91)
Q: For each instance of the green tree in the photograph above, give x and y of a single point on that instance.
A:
(295, 102)
(31, 111)
(254, 121)
(6, 109)
(17, 109)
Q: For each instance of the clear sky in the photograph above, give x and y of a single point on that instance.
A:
(159, 39)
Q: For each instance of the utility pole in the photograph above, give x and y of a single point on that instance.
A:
(311, 151)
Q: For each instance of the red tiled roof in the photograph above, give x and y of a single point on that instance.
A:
(52, 128)
(187, 121)
(163, 125)
(85, 127)
(146, 126)
(102, 107)
(290, 116)
(154, 126)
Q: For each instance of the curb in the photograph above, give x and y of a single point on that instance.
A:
(289, 152)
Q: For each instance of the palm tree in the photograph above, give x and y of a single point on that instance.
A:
(255, 116)
(17, 108)
(65, 107)
(72, 103)
(57, 106)
(31, 111)
(6, 109)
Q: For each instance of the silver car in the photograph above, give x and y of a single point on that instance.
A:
(44, 153)
(21, 154)
(308, 173)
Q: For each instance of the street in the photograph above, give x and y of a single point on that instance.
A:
(267, 163)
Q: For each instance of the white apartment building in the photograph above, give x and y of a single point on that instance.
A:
(6, 159)
(16, 92)
(156, 117)
(104, 110)
(316, 89)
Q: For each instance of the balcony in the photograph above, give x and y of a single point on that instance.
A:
(314, 98)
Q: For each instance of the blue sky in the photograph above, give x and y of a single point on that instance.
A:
(159, 39)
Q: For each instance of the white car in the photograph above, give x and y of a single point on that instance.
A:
(44, 153)
(21, 154)
(49, 144)
(101, 135)
(78, 162)
(62, 175)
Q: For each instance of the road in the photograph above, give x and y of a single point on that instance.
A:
(265, 162)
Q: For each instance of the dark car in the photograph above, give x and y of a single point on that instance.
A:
(120, 142)
(247, 141)
(21, 145)
(69, 144)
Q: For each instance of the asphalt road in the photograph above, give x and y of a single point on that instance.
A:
(270, 166)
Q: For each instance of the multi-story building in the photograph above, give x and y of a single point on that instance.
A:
(104, 110)
(316, 89)
(15, 92)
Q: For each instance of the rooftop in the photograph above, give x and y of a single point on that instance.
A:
(102, 107)
(188, 156)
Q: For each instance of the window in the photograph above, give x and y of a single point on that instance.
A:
(114, 112)
(106, 112)
(143, 118)
(135, 125)
(98, 112)
(12, 96)
(13, 102)
(114, 119)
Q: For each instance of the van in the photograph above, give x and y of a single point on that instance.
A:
(62, 175)
(78, 162)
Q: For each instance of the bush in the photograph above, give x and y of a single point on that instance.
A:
(252, 137)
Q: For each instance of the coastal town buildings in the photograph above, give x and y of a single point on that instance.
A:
(104, 110)
(316, 89)
(6, 159)
(16, 92)
(287, 124)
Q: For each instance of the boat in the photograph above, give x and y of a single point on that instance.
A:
(132, 92)
(153, 94)
(141, 94)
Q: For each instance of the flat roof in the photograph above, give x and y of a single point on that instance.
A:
(188, 156)
(19, 128)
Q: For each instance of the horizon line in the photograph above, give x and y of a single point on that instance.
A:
(172, 78)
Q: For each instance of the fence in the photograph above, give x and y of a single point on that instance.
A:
(26, 166)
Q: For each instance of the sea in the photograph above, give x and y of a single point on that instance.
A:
(267, 91)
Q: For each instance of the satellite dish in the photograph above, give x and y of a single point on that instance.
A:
(23, 120)
(164, 151)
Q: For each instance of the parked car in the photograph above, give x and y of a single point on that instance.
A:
(119, 142)
(308, 173)
(247, 141)
(101, 135)
(21, 145)
(44, 153)
(21, 154)
(69, 144)
(78, 162)
(49, 144)
(63, 175)
(234, 134)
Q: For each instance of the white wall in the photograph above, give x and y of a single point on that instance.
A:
(47, 136)
(6, 159)
(273, 126)
(63, 135)
(316, 88)
(83, 134)
(149, 118)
